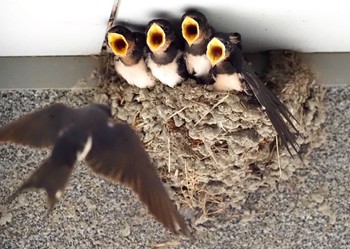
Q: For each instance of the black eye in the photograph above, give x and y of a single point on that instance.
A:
(166, 29)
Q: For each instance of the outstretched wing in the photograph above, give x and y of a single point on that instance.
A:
(117, 153)
(40, 128)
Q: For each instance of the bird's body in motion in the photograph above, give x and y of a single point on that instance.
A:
(128, 48)
(232, 72)
(197, 32)
(164, 55)
(111, 149)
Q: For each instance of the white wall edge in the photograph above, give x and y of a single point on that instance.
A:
(65, 72)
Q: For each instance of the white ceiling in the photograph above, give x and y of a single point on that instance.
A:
(46, 27)
(77, 27)
(305, 26)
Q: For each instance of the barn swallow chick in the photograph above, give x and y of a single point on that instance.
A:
(197, 32)
(232, 72)
(164, 55)
(128, 48)
(111, 149)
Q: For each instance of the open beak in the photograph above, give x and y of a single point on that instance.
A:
(215, 51)
(118, 44)
(155, 37)
(190, 30)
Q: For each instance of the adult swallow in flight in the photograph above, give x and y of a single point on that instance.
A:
(164, 54)
(110, 148)
(128, 48)
(232, 72)
(197, 32)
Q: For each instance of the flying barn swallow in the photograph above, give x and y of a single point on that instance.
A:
(128, 48)
(232, 72)
(164, 55)
(197, 32)
(110, 148)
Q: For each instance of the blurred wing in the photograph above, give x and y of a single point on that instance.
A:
(53, 174)
(40, 128)
(118, 154)
(235, 38)
(49, 176)
(275, 110)
(182, 70)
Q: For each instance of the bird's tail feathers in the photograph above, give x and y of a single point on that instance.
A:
(281, 118)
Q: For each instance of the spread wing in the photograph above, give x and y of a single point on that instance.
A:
(40, 128)
(117, 153)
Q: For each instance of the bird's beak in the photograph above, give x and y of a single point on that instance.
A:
(118, 44)
(190, 30)
(155, 37)
(215, 51)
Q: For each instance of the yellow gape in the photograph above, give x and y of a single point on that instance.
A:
(155, 37)
(190, 30)
(118, 44)
(215, 51)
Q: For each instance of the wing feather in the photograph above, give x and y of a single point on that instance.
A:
(40, 128)
(119, 155)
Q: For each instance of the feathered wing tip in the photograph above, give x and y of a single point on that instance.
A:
(146, 184)
(159, 204)
(281, 118)
(126, 161)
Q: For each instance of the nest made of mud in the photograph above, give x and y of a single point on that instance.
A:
(212, 149)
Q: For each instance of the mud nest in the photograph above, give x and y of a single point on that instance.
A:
(212, 149)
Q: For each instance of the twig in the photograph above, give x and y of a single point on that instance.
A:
(166, 244)
(169, 156)
(187, 183)
(278, 157)
(211, 109)
(177, 112)
(133, 124)
(211, 154)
